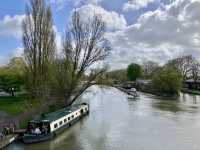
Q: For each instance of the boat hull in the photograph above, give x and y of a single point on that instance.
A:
(32, 138)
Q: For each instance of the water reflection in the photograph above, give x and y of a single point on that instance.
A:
(116, 122)
(168, 106)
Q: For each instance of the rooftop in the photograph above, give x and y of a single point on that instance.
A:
(57, 114)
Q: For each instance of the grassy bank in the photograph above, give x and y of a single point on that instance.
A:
(15, 105)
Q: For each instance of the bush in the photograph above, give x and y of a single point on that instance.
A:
(167, 81)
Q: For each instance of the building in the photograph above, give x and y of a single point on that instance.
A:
(191, 84)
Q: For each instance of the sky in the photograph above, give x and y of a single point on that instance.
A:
(138, 30)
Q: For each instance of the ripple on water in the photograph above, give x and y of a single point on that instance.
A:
(118, 123)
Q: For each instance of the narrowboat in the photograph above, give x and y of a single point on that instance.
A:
(54, 123)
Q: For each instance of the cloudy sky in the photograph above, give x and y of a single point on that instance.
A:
(139, 30)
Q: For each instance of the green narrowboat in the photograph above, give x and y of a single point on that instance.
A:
(54, 123)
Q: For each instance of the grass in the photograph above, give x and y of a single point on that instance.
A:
(23, 124)
(15, 105)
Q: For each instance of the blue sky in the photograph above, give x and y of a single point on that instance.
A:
(139, 30)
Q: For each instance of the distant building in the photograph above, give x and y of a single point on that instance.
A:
(144, 85)
(128, 84)
(143, 82)
(191, 84)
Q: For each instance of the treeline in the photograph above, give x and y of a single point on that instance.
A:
(168, 78)
(44, 74)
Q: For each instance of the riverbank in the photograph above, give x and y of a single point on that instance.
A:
(163, 95)
(114, 117)
(148, 89)
(184, 90)
(13, 105)
(20, 109)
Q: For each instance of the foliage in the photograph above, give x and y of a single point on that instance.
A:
(13, 104)
(149, 67)
(134, 71)
(167, 81)
(84, 46)
(23, 124)
(117, 75)
(39, 47)
(12, 76)
(183, 65)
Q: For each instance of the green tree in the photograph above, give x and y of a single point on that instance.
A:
(39, 47)
(134, 71)
(183, 64)
(12, 76)
(167, 81)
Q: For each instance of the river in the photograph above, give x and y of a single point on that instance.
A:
(116, 122)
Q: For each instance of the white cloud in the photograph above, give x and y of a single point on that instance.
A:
(136, 4)
(58, 40)
(60, 4)
(113, 20)
(168, 32)
(3, 60)
(11, 26)
(18, 52)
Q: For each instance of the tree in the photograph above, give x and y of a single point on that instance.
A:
(117, 75)
(84, 46)
(195, 72)
(167, 81)
(39, 46)
(134, 71)
(149, 67)
(12, 76)
(182, 65)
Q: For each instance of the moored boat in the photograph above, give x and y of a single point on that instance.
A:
(133, 92)
(54, 123)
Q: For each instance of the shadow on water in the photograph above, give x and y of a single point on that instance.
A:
(116, 123)
(66, 140)
(185, 103)
(172, 106)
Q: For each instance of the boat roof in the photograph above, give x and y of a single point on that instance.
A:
(57, 114)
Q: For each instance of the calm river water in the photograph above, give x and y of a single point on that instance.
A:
(116, 122)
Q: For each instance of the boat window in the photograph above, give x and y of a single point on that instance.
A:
(72, 116)
(55, 125)
(68, 118)
(65, 120)
(60, 123)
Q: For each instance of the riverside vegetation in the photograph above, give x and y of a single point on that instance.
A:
(42, 80)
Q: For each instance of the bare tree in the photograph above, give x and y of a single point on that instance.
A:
(84, 46)
(195, 71)
(183, 65)
(149, 68)
(39, 45)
